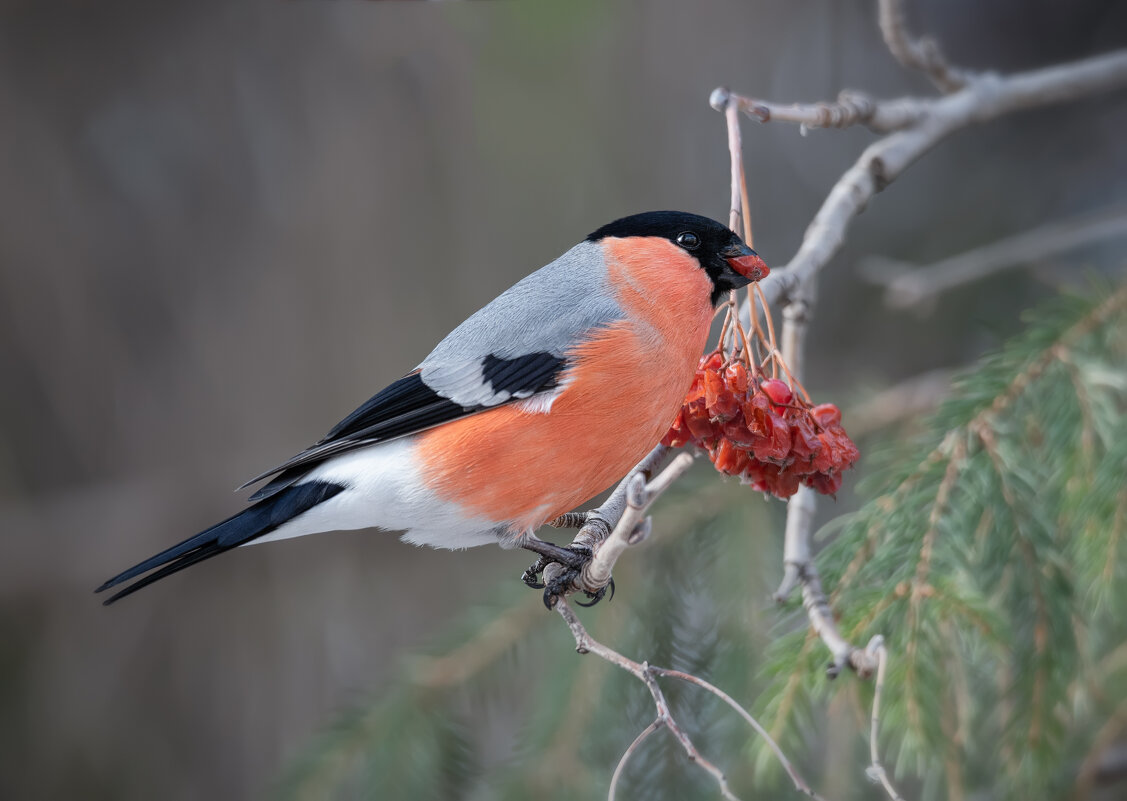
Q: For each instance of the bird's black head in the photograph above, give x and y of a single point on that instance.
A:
(722, 254)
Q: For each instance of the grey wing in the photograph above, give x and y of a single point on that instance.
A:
(541, 316)
(513, 348)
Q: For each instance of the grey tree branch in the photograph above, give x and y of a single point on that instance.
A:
(799, 568)
(633, 527)
(921, 54)
(907, 287)
(851, 108)
(736, 210)
(985, 97)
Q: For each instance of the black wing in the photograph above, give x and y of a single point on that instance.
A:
(409, 406)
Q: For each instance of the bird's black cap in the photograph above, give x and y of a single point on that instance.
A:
(668, 225)
(722, 254)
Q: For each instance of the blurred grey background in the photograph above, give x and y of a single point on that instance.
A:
(225, 224)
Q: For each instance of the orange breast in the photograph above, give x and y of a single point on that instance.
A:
(624, 389)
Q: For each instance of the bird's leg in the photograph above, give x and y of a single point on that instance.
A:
(571, 558)
(569, 520)
(566, 520)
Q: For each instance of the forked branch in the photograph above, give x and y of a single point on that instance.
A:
(917, 125)
(647, 674)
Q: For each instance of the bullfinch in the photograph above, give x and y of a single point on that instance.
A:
(538, 402)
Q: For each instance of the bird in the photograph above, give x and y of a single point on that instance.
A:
(536, 403)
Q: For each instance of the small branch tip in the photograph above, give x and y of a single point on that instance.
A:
(720, 98)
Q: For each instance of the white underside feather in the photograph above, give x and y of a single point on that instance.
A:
(383, 490)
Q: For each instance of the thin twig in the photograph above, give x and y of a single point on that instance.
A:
(851, 108)
(647, 674)
(876, 769)
(799, 782)
(585, 644)
(772, 350)
(920, 54)
(799, 567)
(621, 520)
(745, 204)
(629, 752)
(821, 616)
(735, 156)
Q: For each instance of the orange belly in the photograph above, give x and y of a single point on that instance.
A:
(624, 389)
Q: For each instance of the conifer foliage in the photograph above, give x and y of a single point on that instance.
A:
(993, 559)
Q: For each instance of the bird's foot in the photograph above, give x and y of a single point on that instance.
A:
(531, 576)
(598, 595)
(571, 559)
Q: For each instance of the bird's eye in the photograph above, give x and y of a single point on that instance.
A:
(688, 240)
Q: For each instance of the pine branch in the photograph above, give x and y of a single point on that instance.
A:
(968, 561)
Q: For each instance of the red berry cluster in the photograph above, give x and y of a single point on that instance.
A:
(758, 429)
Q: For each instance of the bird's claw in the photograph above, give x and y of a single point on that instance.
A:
(531, 575)
(598, 596)
(558, 585)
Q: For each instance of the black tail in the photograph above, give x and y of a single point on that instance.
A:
(253, 522)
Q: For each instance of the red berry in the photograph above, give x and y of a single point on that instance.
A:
(826, 415)
(678, 435)
(698, 422)
(713, 386)
(776, 445)
(712, 361)
(735, 377)
(758, 430)
(824, 458)
(725, 408)
(777, 391)
(804, 442)
(736, 431)
(826, 483)
(726, 457)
